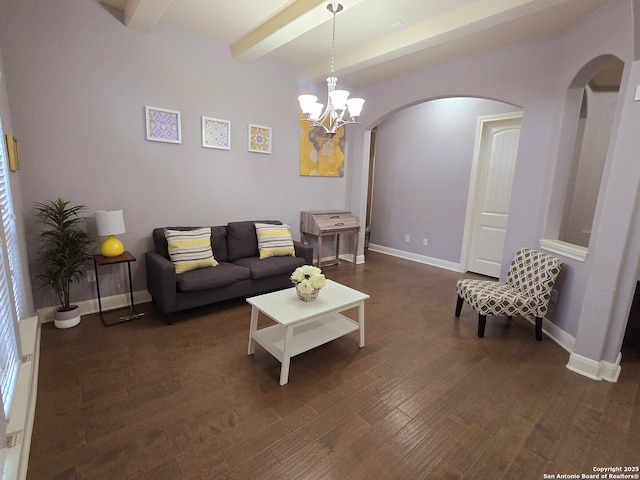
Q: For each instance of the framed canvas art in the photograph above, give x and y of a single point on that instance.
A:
(216, 133)
(162, 125)
(321, 155)
(259, 140)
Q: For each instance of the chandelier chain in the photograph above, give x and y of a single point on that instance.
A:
(333, 44)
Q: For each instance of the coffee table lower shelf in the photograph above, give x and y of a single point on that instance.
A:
(306, 336)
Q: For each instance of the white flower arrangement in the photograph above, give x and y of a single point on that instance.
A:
(308, 278)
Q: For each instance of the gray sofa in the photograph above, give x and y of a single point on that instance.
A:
(240, 272)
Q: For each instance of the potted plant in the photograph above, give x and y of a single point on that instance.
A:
(62, 254)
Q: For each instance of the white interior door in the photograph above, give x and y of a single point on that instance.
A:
(498, 145)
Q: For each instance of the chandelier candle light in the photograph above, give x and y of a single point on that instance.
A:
(338, 102)
(109, 224)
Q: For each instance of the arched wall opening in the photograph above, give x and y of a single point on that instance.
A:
(584, 142)
(420, 171)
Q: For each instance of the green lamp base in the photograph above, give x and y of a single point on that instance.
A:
(111, 247)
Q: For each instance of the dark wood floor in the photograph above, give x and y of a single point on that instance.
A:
(425, 398)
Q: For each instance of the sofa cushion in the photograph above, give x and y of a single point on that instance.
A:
(270, 267)
(218, 241)
(213, 277)
(274, 240)
(241, 239)
(190, 249)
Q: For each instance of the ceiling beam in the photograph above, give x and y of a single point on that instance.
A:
(142, 15)
(287, 25)
(453, 24)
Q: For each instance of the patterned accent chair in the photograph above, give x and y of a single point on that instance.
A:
(526, 293)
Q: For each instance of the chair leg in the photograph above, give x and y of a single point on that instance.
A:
(539, 329)
(482, 322)
(459, 305)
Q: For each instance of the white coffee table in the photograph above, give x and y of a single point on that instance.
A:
(301, 326)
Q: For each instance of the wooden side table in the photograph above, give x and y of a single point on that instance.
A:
(100, 260)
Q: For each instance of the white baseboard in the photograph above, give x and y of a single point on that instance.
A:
(436, 262)
(596, 370)
(558, 335)
(347, 257)
(91, 306)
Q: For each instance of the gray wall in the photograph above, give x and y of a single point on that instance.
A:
(422, 170)
(78, 81)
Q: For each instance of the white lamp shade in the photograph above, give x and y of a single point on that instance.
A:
(109, 222)
(306, 102)
(316, 110)
(339, 99)
(355, 106)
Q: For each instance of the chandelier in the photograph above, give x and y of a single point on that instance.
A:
(338, 102)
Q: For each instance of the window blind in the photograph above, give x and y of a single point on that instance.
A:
(9, 238)
(10, 292)
(9, 360)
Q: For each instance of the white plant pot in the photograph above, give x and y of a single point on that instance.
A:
(67, 319)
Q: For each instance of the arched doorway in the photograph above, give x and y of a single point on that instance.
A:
(420, 182)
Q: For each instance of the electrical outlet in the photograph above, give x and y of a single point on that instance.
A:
(91, 276)
(554, 296)
(407, 237)
(425, 242)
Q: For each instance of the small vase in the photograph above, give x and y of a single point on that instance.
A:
(307, 297)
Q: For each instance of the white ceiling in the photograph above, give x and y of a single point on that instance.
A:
(368, 49)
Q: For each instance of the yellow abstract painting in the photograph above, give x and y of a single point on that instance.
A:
(321, 155)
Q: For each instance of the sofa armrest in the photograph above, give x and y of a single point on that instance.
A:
(161, 281)
(304, 251)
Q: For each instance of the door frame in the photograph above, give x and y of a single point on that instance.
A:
(481, 125)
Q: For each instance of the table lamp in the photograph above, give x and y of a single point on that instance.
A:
(110, 223)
